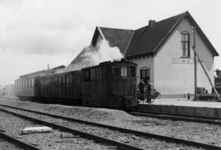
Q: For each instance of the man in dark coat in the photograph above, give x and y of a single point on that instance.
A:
(142, 87)
(148, 89)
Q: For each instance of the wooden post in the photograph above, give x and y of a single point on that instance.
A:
(206, 74)
(195, 64)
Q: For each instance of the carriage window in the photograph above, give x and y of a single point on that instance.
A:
(104, 73)
(63, 79)
(29, 83)
(94, 74)
(99, 73)
(67, 80)
(123, 71)
(87, 75)
(70, 78)
(131, 71)
(115, 71)
(32, 82)
(91, 74)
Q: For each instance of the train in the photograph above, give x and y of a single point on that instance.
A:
(108, 85)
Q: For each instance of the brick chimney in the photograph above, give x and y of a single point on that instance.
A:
(151, 22)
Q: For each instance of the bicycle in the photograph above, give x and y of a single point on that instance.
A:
(146, 97)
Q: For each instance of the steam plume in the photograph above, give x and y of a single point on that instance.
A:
(91, 56)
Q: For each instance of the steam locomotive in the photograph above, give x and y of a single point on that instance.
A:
(109, 85)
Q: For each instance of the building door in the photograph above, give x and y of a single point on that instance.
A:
(145, 74)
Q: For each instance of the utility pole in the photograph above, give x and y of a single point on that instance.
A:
(195, 63)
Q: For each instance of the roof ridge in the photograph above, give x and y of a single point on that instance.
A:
(117, 28)
(171, 17)
(163, 20)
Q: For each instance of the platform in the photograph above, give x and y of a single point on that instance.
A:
(183, 106)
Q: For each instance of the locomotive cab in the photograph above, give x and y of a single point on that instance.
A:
(110, 84)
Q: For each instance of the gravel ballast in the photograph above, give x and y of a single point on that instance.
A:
(131, 139)
(55, 140)
(200, 132)
(5, 145)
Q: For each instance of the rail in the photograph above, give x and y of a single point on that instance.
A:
(161, 137)
(18, 142)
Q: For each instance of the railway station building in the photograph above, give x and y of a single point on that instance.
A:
(163, 52)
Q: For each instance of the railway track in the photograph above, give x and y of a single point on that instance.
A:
(189, 118)
(17, 142)
(95, 138)
(121, 145)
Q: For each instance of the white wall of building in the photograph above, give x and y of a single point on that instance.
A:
(175, 79)
(144, 62)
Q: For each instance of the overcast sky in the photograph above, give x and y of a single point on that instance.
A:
(34, 33)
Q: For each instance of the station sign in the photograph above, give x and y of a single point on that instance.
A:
(182, 61)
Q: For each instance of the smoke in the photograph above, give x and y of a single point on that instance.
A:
(91, 56)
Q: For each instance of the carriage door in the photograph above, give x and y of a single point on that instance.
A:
(145, 74)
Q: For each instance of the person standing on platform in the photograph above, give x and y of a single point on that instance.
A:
(142, 87)
(148, 86)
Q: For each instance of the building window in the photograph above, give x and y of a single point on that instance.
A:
(185, 44)
(145, 74)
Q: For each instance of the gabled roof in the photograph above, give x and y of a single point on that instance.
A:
(116, 37)
(149, 39)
